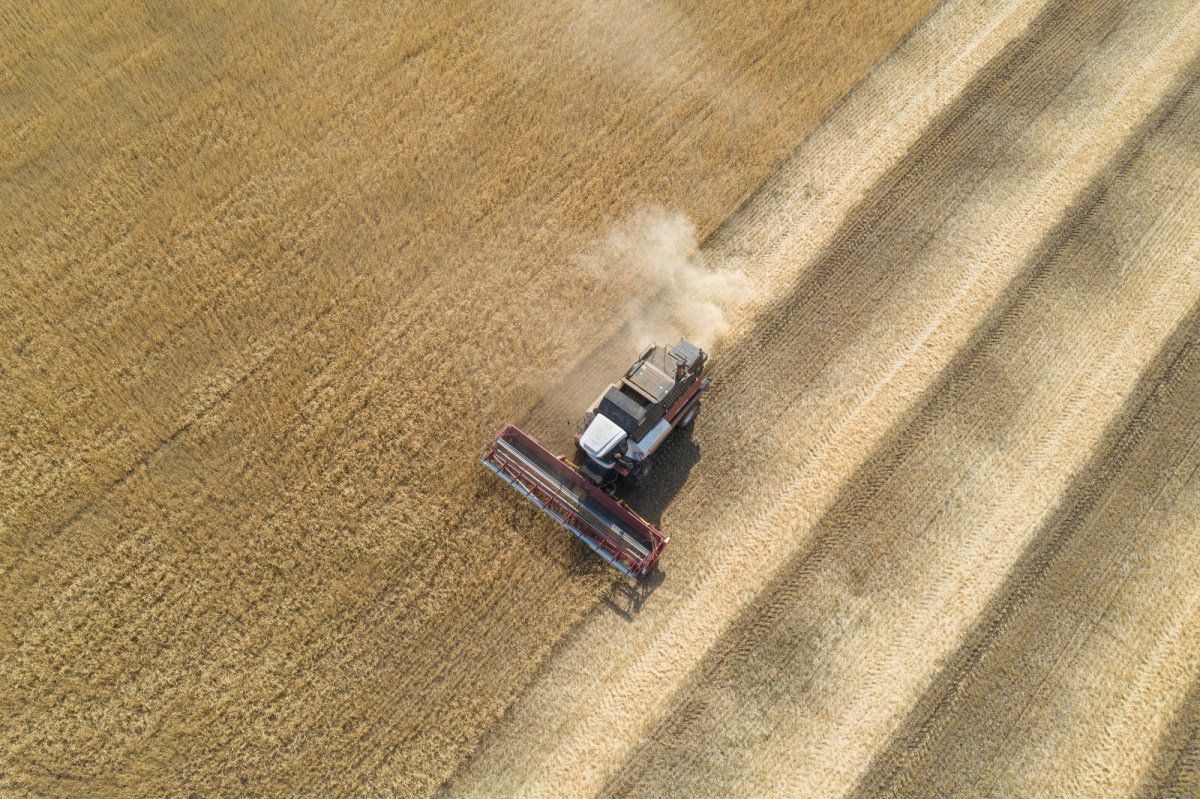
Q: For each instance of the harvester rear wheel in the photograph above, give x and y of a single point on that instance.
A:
(690, 416)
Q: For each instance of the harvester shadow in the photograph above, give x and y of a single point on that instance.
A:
(672, 464)
(625, 597)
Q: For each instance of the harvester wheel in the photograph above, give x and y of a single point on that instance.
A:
(640, 474)
(690, 416)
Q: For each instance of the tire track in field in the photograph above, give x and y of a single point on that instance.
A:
(1176, 774)
(1098, 479)
(838, 392)
(927, 722)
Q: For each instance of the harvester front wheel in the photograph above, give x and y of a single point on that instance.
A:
(639, 475)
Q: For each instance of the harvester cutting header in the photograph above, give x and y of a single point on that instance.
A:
(622, 430)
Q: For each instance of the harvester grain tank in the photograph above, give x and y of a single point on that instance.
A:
(624, 427)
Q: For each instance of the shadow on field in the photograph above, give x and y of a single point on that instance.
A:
(672, 464)
(625, 598)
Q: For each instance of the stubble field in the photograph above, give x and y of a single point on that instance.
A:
(272, 275)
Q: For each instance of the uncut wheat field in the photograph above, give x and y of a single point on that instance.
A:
(272, 274)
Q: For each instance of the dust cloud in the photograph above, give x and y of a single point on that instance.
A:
(653, 258)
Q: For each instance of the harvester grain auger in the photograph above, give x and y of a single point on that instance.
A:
(622, 430)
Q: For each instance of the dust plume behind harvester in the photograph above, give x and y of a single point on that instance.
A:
(622, 430)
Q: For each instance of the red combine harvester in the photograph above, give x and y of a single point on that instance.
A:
(622, 430)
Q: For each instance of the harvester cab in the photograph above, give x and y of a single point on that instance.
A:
(632, 418)
(622, 430)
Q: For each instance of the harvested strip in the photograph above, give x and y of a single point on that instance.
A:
(796, 214)
(822, 377)
(822, 671)
(1081, 682)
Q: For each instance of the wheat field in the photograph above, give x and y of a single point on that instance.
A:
(273, 274)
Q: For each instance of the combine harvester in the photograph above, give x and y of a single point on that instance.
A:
(623, 428)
